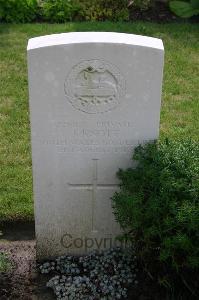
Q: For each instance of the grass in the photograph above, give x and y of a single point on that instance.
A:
(180, 105)
(5, 264)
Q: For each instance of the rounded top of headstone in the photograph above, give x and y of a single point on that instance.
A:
(94, 37)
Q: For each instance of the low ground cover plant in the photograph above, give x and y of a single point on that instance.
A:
(106, 275)
(158, 208)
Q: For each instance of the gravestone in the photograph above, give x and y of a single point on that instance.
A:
(93, 97)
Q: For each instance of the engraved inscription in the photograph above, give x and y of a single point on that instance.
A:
(93, 149)
(94, 86)
(98, 124)
(103, 136)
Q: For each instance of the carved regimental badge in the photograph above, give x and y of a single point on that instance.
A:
(94, 86)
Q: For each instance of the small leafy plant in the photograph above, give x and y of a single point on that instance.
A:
(158, 204)
(185, 9)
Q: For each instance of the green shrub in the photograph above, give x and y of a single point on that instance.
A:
(18, 11)
(158, 204)
(59, 10)
(185, 9)
(101, 10)
(63, 10)
(21, 11)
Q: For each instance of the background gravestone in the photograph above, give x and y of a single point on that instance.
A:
(93, 98)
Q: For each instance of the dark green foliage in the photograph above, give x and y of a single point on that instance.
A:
(59, 10)
(89, 10)
(158, 203)
(101, 10)
(21, 11)
(63, 10)
(18, 11)
(185, 9)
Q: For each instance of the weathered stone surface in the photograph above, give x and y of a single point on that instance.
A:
(93, 97)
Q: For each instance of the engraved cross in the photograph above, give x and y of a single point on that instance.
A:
(93, 187)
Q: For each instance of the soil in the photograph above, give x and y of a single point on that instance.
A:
(159, 13)
(24, 282)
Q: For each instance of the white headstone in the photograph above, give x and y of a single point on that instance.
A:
(93, 97)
